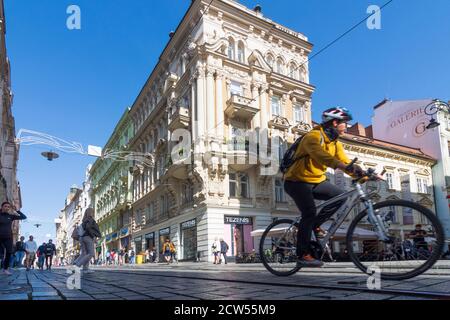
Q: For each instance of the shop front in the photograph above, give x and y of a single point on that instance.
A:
(164, 234)
(125, 238)
(237, 234)
(149, 241)
(137, 245)
(189, 240)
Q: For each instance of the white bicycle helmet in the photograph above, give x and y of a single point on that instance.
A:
(336, 113)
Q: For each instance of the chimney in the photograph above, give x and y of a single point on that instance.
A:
(357, 129)
(369, 132)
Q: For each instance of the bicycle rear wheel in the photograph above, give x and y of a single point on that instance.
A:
(278, 248)
(392, 258)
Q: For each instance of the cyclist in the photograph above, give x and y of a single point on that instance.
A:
(305, 180)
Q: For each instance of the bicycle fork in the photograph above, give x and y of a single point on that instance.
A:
(374, 218)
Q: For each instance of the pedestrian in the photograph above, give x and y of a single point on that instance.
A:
(173, 252)
(8, 214)
(108, 257)
(153, 254)
(216, 250)
(147, 255)
(20, 252)
(87, 241)
(223, 250)
(50, 251)
(113, 257)
(30, 249)
(132, 257)
(166, 251)
(41, 256)
(121, 256)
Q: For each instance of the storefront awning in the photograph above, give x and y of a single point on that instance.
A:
(124, 232)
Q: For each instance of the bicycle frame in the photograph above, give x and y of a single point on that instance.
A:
(352, 197)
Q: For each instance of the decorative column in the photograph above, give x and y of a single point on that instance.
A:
(264, 111)
(255, 104)
(219, 105)
(210, 109)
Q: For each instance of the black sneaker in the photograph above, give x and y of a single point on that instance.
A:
(308, 261)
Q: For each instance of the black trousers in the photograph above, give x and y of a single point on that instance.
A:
(304, 194)
(47, 259)
(7, 246)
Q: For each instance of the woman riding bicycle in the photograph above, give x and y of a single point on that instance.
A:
(305, 180)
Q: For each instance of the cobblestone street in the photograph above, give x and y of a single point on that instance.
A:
(198, 281)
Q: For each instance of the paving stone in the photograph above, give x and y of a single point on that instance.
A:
(21, 296)
(45, 294)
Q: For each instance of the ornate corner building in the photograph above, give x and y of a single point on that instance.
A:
(228, 95)
(9, 150)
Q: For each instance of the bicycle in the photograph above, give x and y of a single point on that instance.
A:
(375, 222)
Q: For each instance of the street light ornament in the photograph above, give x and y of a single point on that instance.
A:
(50, 155)
(433, 108)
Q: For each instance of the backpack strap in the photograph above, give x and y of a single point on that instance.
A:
(322, 140)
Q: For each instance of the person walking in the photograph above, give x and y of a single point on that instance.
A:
(216, 250)
(8, 214)
(223, 250)
(87, 241)
(173, 252)
(50, 251)
(41, 256)
(121, 257)
(30, 249)
(166, 251)
(20, 252)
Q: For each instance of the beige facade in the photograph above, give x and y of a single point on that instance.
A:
(9, 149)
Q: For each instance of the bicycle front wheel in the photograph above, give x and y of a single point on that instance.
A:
(278, 248)
(416, 240)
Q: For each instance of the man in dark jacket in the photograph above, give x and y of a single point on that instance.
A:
(20, 252)
(41, 256)
(50, 251)
(8, 214)
(223, 250)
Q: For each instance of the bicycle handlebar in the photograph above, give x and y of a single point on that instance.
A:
(369, 175)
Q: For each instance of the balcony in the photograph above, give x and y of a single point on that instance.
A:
(240, 107)
(180, 119)
(239, 155)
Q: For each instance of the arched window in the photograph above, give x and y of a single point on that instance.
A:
(241, 52)
(293, 71)
(270, 60)
(231, 49)
(302, 73)
(280, 66)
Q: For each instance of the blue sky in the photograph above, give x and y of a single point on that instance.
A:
(76, 84)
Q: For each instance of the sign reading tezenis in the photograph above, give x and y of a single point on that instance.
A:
(238, 220)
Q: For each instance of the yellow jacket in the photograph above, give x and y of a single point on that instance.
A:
(318, 153)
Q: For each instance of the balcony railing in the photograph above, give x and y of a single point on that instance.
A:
(240, 107)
